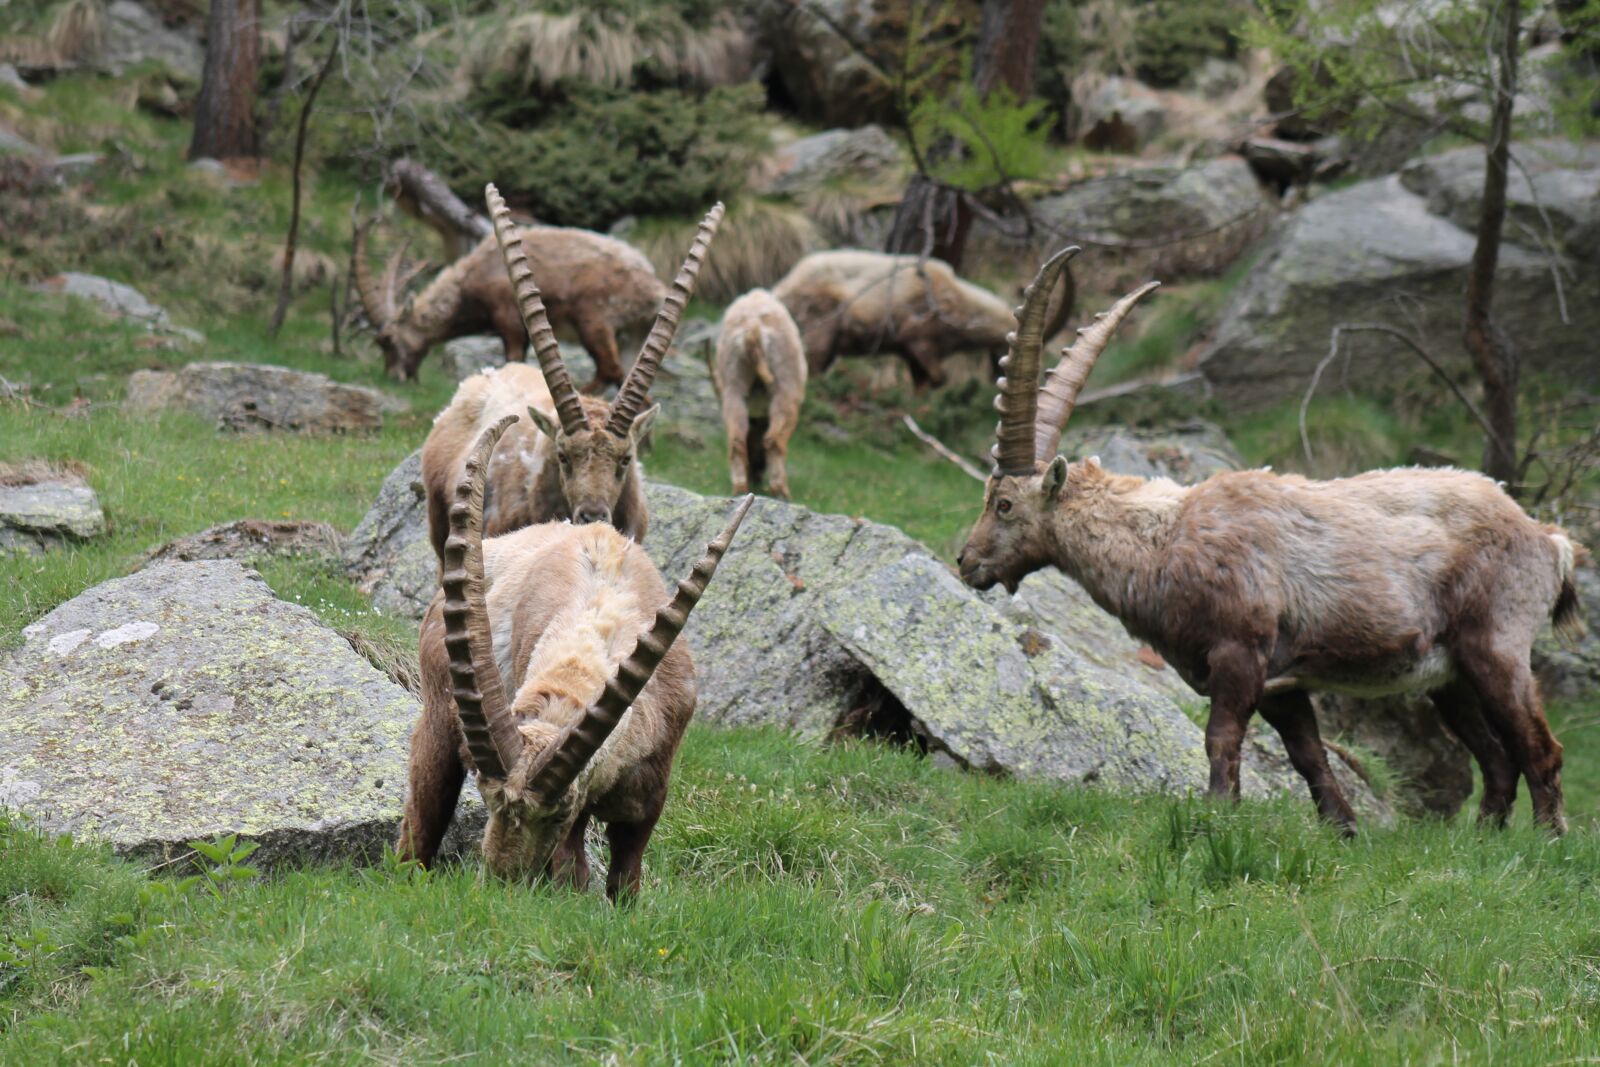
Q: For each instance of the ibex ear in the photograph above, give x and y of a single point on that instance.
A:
(547, 426)
(1055, 476)
(641, 425)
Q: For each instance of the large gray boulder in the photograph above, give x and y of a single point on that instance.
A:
(134, 34)
(117, 300)
(810, 163)
(186, 701)
(258, 396)
(1374, 252)
(1164, 221)
(818, 60)
(388, 554)
(1572, 670)
(46, 509)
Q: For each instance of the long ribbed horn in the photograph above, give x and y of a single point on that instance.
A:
(371, 301)
(1060, 391)
(1017, 398)
(568, 756)
(391, 277)
(636, 386)
(491, 734)
(569, 409)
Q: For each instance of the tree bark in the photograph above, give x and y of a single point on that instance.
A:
(1008, 46)
(224, 116)
(423, 195)
(1496, 361)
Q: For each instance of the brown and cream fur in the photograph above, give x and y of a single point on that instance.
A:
(1261, 588)
(759, 371)
(537, 474)
(565, 604)
(595, 288)
(854, 302)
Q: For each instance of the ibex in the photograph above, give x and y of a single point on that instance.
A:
(759, 371)
(853, 302)
(595, 285)
(1260, 588)
(564, 618)
(578, 458)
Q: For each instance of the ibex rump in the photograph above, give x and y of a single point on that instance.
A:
(1259, 588)
(759, 371)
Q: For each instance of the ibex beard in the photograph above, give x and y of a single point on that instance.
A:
(570, 621)
(1260, 588)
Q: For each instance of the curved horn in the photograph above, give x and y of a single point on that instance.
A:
(534, 317)
(568, 756)
(491, 734)
(371, 300)
(1060, 390)
(636, 386)
(1017, 398)
(391, 277)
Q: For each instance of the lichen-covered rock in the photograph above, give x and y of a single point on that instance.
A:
(1432, 770)
(1188, 453)
(259, 396)
(818, 60)
(186, 701)
(1347, 257)
(115, 299)
(864, 158)
(135, 35)
(1572, 670)
(47, 511)
(250, 541)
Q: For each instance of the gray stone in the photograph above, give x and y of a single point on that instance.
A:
(1188, 453)
(13, 80)
(114, 298)
(135, 35)
(1167, 221)
(1118, 114)
(1572, 671)
(1432, 770)
(184, 702)
(465, 356)
(1373, 252)
(816, 56)
(251, 541)
(67, 170)
(244, 396)
(388, 553)
(53, 511)
(1552, 198)
(866, 154)
(12, 144)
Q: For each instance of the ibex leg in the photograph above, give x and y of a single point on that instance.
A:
(1292, 716)
(1458, 707)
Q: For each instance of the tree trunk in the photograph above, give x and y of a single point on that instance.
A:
(1008, 46)
(1492, 354)
(224, 116)
(423, 195)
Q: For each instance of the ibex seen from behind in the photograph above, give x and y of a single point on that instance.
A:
(595, 285)
(759, 371)
(578, 457)
(851, 302)
(549, 668)
(1261, 588)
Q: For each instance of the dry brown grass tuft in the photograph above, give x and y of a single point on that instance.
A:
(758, 242)
(35, 471)
(389, 654)
(78, 30)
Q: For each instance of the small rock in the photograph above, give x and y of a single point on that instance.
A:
(68, 170)
(258, 396)
(118, 300)
(134, 34)
(1117, 114)
(12, 80)
(186, 701)
(250, 541)
(43, 508)
(12, 144)
(465, 356)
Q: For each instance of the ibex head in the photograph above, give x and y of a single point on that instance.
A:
(595, 456)
(399, 335)
(1013, 536)
(526, 771)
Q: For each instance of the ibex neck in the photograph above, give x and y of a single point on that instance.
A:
(1111, 536)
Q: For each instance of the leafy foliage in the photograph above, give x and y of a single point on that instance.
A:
(998, 139)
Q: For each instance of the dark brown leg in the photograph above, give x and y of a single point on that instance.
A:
(628, 841)
(569, 863)
(1458, 707)
(757, 450)
(1510, 702)
(1292, 716)
(926, 366)
(1237, 677)
(598, 340)
(436, 771)
(736, 419)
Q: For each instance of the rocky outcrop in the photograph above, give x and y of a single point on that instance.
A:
(1430, 772)
(259, 396)
(1187, 453)
(135, 35)
(388, 554)
(818, 63)
(117, 300)
(1116, 114)
(1165, 222)
(185, 701)
(43, 508)
(250, 541)
(1375, 252)
(1572, 670)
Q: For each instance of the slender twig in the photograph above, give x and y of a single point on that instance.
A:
(940, 447)
(286, 286)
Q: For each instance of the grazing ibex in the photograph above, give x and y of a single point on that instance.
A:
(852, 302)
(565, 620)
(577, 459)
(760, 375)
(1260, 588)
(596, 285)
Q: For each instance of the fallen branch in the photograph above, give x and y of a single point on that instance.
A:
(940, 447)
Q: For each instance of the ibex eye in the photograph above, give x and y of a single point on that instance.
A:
(1003, 507)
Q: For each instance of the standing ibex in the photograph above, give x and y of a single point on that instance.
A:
(578, 458)
(596, 285)
(760, 375)
(852, 302)
(1260, 588)
(563, 618)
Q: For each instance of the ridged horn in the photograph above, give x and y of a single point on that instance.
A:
(568, 756)
(1017, 396)
(371, 301)
(1059, 394)
(392, 285)
(490, 732)
(635, 388)
(569, 409)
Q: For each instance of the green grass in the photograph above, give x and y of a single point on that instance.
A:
(846, 904)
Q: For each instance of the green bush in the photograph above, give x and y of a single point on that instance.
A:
(1160, 41)
(1174, 38)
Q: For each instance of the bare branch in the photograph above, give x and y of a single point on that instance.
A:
(940, 447)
